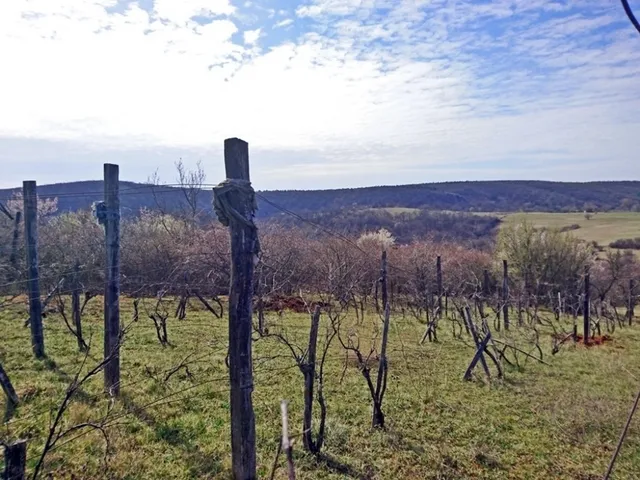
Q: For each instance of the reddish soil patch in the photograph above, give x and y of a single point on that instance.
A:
(280, 302)
(595, 341)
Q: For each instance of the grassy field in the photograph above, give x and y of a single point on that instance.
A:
(603, 228)
(560, 421)
(395, 210)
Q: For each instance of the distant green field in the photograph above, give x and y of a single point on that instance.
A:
(603, 228)
(395, 210)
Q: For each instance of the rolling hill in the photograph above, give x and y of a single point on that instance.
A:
(485, 196)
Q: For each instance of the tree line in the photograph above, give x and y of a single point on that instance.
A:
(167, 252)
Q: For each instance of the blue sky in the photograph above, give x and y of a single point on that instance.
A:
(329, 93)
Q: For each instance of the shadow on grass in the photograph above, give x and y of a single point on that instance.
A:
(64, 377)
(398, 440)
(333, 464)
(199, 463)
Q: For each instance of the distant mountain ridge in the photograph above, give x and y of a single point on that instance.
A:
(472, 196)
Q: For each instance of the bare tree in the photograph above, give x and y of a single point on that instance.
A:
(191, 182)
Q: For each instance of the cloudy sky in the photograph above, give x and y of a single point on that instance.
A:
(328, 93)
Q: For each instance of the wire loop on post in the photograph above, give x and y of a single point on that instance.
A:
(102, 214)
(226, 213)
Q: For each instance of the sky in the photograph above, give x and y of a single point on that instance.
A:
(328, 93)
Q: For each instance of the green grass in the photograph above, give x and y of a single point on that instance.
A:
(541, 422)
(603, 228)
(396, 210)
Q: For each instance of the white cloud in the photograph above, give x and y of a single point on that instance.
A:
(182, 11)
(251, 36)
(283, 23)
(378, 85)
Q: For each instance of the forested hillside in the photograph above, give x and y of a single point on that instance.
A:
(488, 196)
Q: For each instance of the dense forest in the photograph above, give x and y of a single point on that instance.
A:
(487, 196)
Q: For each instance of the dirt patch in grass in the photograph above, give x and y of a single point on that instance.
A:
(595, 341)
(281, 303)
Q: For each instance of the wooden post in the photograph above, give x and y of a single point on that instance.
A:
(10, 392)
(15, 460)
(13, 257)
(309, 372)
(505, 293)
(75, 306)
(632, 302)
(439, 284)
(586, 307)
(286, 442)
(235, 206)
(112, 275)
(381, 384)
(30, 198)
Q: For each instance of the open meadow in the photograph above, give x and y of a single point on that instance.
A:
(602, 228)
(558, 421)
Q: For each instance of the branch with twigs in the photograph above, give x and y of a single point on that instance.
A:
(313, 372)
(56, 433)
(61, 310)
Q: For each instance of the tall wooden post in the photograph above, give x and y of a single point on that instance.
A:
(505, 293)
(15, 460)
(439, 284)
(13, 257)
(381, 383)
(587, 304)
(111, 221)
(234, 204)
(75, 306)
(309, 372)
(632, 301)
(30, 198)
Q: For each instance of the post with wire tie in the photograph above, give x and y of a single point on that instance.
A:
(234, 203)
(108, 215)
